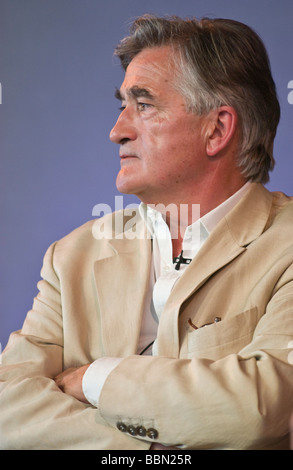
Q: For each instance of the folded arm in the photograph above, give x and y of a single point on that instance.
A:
(243, 400)
(34, 413)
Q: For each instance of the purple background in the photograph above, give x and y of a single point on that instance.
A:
(58, 77)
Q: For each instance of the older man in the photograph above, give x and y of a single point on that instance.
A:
(176, 330)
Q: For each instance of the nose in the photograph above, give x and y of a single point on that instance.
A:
(124, 130)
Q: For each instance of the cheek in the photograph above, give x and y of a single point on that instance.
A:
(172, 147)
(161, 139)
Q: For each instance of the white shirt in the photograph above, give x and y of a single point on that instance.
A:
(163, 277)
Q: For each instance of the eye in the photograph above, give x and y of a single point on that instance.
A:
(143, 106)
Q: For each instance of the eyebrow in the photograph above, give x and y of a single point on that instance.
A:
(135, 92)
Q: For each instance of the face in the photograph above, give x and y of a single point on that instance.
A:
(162, 151)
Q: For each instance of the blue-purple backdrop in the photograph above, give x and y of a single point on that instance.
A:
(57, 80)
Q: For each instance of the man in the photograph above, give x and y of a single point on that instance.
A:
(175, 330)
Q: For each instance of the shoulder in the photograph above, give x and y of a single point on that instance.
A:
(94, 235)
(274, 204)
(112, 224)
(282, 210)
(282, 202)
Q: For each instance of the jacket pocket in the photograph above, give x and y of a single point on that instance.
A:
(226, 337)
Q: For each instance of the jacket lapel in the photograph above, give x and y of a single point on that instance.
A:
(228, 240)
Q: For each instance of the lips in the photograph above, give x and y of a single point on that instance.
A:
(125, 157)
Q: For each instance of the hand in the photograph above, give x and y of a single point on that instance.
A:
(157, 446)
(70, 382)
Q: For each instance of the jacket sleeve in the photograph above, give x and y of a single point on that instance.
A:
(34, 413)
(241, 401)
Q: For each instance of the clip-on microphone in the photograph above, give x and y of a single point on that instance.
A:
(180, 260)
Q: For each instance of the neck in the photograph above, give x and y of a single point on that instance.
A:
(184, 211)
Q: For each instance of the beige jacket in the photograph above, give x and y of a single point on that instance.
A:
(226, 385)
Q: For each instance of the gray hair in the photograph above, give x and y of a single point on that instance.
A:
(218, 62)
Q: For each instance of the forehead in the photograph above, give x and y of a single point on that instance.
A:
(150, 69)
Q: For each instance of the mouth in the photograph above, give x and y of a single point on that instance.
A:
(125, 158)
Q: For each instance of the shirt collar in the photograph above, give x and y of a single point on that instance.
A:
(154, 219)
(211, 219)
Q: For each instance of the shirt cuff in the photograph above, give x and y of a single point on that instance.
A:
(95, 377)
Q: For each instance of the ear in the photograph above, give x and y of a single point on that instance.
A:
(223, 124)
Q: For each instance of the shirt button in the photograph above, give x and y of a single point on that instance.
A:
(167, 268)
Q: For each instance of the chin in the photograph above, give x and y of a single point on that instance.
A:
(132, 184)
(125, 186)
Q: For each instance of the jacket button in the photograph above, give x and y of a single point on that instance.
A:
(152, 433)
(121, 426)
(131, 430)
(141, 431)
